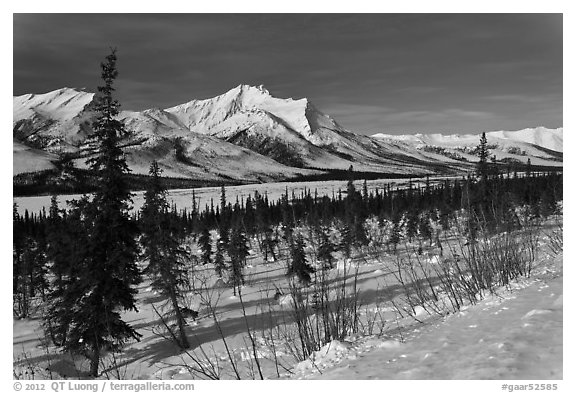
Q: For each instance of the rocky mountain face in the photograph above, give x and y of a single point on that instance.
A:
(247, 135)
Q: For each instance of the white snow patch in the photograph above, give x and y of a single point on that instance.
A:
(536, 312)
(389, 344)
(434, 259)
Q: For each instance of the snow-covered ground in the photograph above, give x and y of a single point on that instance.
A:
(516, 334)
(513, 334)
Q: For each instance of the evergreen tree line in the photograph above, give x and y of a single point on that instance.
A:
(487, 198)
(43, 237)
(257, 216)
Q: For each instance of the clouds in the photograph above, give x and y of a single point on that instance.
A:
(369, 71)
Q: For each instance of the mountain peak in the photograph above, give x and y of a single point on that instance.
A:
(62, 104)
(249, 88)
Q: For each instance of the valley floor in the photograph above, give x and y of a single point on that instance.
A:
(515, 333)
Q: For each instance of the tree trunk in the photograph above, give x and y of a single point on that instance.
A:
(184, 344)
(95, 360)
(31, 289)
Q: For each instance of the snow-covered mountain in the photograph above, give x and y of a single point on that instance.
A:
(248, 135)
(59, 119)
(540, 136)
(544, 146)
(551, 139)
(291, 132)
(245, 105)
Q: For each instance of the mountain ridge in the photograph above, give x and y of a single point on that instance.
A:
(550, 138)
(248, 135)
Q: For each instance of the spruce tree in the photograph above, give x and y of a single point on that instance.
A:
(223, 236)
(58, 256)
(355, 213)
(25, 289)
(268, 240)
(67, 254)
(325, 250)
(205, 244)
(238, 251)
(483, 153)
(299, 266)
(106, 282)
(17, 250)
(411, 223)
(424, 227)
(395, 234)
(161, 242)
(346, 239)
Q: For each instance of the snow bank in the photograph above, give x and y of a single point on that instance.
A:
(325, 357)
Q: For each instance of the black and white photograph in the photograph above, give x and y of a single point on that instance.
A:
(287, 196)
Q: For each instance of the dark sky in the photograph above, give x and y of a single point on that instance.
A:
(390, 73)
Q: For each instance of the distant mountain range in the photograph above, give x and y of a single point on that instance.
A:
(246, 135)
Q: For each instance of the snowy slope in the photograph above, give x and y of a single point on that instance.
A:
(60, 105)
(251, 128)
(291, 131)
(516, 334)
(26, 159)
(216, 115)
(54, 121)
(551, 139)
(542, 145)
(244, 134)
(294, 132)
(248, 135)
(60, 121)
(548, 138)
(205, 157)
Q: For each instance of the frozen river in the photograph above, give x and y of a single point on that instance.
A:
(183, 198)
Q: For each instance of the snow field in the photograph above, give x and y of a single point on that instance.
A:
(500, 336)
(514, 334)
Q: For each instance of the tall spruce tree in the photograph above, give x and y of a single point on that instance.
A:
(106, 283)
(17, 250)
(325, 249)
(424, 227)
(395, 234)
(67, 253)
(223, 236)
(205, 245)
(162, 245)
(299, 266)
(412, 220)
(238, 251)
(58, 256)
(483, 154)
(355, 214)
